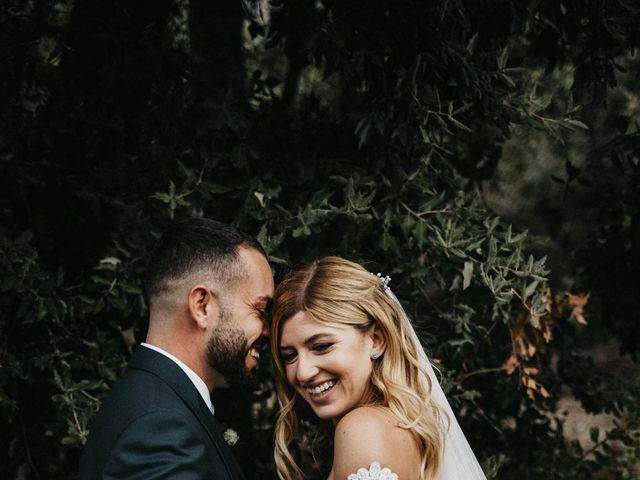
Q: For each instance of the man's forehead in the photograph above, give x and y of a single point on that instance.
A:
(250, 257)
(258, 278)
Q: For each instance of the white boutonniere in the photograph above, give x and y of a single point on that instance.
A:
(231, 437)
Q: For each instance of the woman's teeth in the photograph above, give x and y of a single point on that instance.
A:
(321, 388)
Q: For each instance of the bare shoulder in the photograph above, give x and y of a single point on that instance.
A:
(371, 434)
(369, 419)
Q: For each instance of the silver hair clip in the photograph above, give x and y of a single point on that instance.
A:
(385, 281)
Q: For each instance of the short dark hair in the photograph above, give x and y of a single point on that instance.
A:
(195, 244)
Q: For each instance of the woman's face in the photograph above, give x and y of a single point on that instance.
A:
(328, 365)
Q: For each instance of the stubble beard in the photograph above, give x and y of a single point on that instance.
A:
(227, 351)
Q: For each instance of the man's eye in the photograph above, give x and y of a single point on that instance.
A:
(264, 314)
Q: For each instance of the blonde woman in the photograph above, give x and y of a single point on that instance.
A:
(342, 344)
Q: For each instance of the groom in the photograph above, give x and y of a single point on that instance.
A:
(208, 287)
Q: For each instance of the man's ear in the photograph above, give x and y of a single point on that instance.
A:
(203, 306)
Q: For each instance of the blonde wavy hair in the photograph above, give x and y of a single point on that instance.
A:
(337, 291)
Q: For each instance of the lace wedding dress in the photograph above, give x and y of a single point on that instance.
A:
(375, 472)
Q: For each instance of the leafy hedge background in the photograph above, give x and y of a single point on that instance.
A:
(422, 138)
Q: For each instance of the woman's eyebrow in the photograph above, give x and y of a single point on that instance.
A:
(310, 340)
(318, 336)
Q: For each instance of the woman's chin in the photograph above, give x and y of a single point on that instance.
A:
(330, 412)
(327, 414)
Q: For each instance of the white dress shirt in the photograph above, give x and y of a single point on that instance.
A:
(193, 376)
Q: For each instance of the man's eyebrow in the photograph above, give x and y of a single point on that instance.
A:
(263, 298)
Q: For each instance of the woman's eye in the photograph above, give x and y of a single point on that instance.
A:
(288, 357)
(321, 347)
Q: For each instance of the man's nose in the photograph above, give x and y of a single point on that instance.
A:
(306, 370)
(265, 328)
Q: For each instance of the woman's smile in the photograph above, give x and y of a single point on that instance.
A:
(321, 388)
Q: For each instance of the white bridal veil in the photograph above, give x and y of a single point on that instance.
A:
(458, 461)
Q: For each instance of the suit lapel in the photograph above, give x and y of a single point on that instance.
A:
(167, 370)
(216, 431)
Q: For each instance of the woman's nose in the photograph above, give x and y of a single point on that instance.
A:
(306, 370)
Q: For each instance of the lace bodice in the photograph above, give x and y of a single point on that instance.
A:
(375, 472)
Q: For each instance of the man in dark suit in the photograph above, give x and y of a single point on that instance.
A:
(208, 287)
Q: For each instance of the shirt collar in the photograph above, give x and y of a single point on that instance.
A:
(193, 376)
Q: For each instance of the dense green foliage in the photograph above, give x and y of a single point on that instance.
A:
(362, 129)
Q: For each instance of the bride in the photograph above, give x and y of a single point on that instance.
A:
(343, 344)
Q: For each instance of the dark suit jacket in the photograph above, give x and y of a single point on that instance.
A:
(154, 424)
